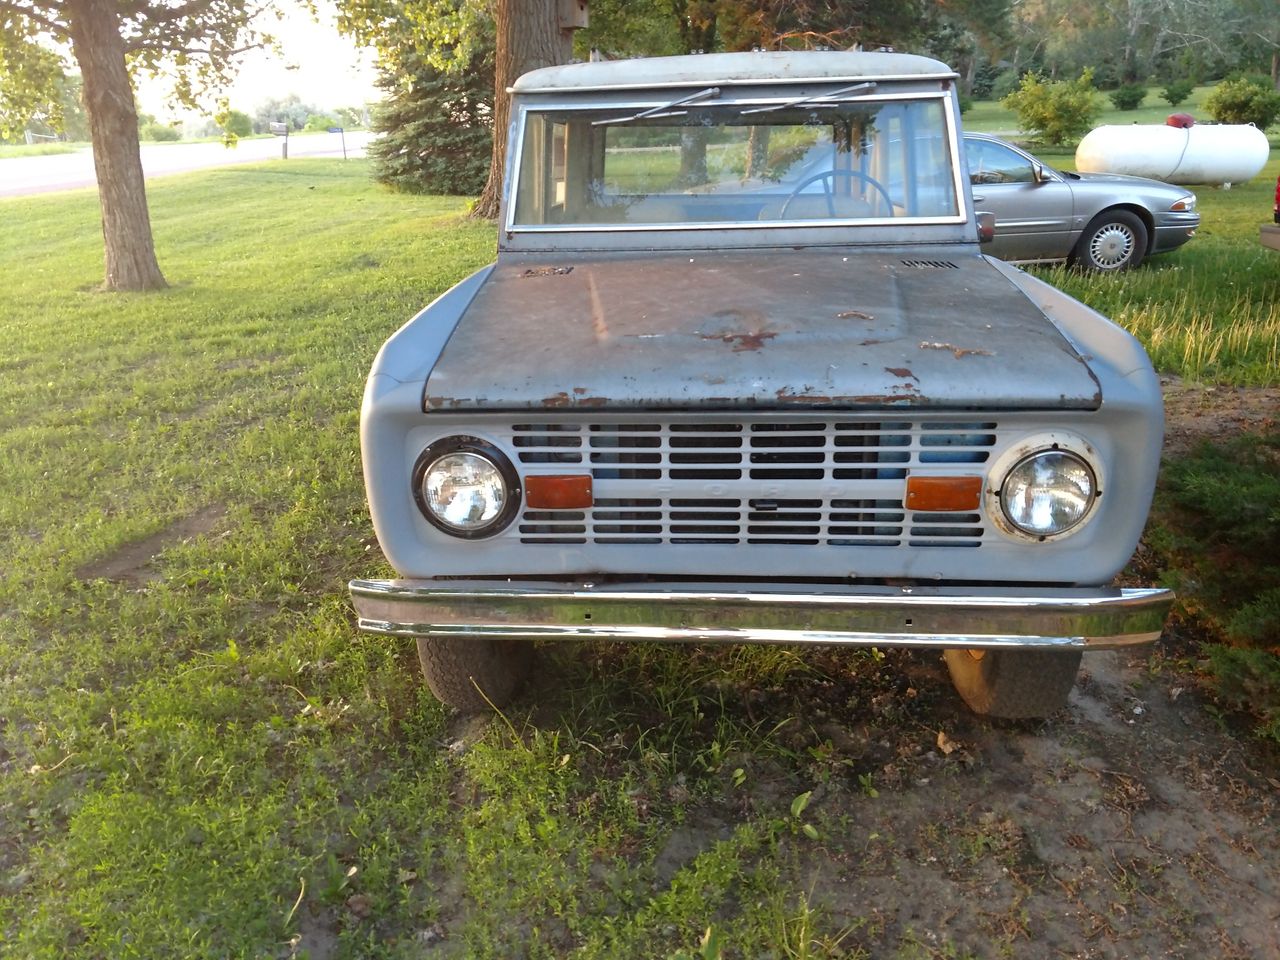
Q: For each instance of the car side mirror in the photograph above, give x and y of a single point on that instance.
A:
(1037, 173)
(986, 227)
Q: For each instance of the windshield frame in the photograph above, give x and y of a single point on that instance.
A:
(637, 102)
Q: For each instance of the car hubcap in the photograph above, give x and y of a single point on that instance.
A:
(1112, 246)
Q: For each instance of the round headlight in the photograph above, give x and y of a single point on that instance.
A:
(1048, 493)
(466, 487)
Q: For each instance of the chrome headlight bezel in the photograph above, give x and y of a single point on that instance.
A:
(483, 451)
(1018, 455)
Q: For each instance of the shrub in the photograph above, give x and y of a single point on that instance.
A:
(158, 131)
(1055, 111)
(1129, 97)
(1177, 91)
(436, 127)
(321, 122)
(1216, 522)
(1243, 101)
(966, 103)
(1006, 83)
(236, 123)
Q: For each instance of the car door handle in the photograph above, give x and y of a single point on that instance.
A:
(978, 199)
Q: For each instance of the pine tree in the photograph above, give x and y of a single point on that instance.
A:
(437, 126)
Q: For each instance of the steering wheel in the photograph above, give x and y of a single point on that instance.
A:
(828, 193)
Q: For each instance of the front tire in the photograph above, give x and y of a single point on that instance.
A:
(474, 674)
(1114, 240)
(1013, 684)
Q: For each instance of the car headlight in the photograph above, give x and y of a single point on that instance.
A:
(1186, 204)
(1048, 493)
(466, 487)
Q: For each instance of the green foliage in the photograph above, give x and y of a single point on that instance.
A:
(1218, 520)
(321, 122)
(1055, 111)
(1177, 91)
(1244, 101)
(290, 110)
(1129, 96)
(237, 124)
(1249, 682)
(159, 132)
(30, 75)
(351, 117)
(966, 103)
(1007, 82)
(436, 127)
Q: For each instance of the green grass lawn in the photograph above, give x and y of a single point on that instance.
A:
(202, 758)
(45, 149)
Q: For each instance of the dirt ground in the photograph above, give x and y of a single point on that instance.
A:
(1135, 824)
(1130, 825)
(1194, 413)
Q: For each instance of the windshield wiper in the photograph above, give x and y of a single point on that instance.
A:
(664, 110)
(817, 99)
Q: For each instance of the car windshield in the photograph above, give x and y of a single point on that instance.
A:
(704, 163)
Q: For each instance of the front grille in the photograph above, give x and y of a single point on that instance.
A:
(834, 481)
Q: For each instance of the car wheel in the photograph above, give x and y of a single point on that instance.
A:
(1013, 684)
(1114, 240)
(474, 674)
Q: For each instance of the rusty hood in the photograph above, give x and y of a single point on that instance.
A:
(766, 329)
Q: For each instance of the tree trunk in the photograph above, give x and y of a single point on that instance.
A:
(530, 35)
(113, 128)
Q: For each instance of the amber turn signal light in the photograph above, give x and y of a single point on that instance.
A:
(944, 493)
(559, 492)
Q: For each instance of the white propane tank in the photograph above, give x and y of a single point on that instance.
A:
(1204, 153)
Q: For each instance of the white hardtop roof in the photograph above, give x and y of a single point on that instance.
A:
(769, 67)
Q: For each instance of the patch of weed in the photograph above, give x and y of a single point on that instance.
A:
(1215, 524)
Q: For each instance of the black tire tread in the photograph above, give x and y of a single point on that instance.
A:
(473, 674)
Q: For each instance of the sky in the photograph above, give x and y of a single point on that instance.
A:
(317, 63)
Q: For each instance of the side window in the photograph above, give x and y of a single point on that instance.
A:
(995, 163)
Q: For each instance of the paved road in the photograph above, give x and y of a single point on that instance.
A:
(66, 171)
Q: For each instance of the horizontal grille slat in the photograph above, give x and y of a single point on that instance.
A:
(749, 460)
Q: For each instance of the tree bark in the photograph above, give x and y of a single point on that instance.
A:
(113, 127)
(530, 36)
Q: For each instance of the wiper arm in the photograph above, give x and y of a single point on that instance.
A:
(816, 99)
(664, 110)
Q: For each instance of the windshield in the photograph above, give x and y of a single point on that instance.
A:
(710, 164)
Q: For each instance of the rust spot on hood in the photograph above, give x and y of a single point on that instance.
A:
(546, 272)
(906, 396)
(902, 372)
(741, 341)
(563, 399)
(958, 351)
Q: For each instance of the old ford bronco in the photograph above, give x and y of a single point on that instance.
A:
(741, 374)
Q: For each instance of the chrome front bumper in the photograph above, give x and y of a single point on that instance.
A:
(1084, 618)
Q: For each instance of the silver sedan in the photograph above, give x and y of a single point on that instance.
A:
(1099, 221)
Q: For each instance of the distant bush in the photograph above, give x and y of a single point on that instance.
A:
(966, 103)
(984, 78)
(1243, 101)
(1055, 111)
(237, 124)
(321, 122)
(1006, 83)
(1177, 91)
(159, 131)
(1129, 97)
